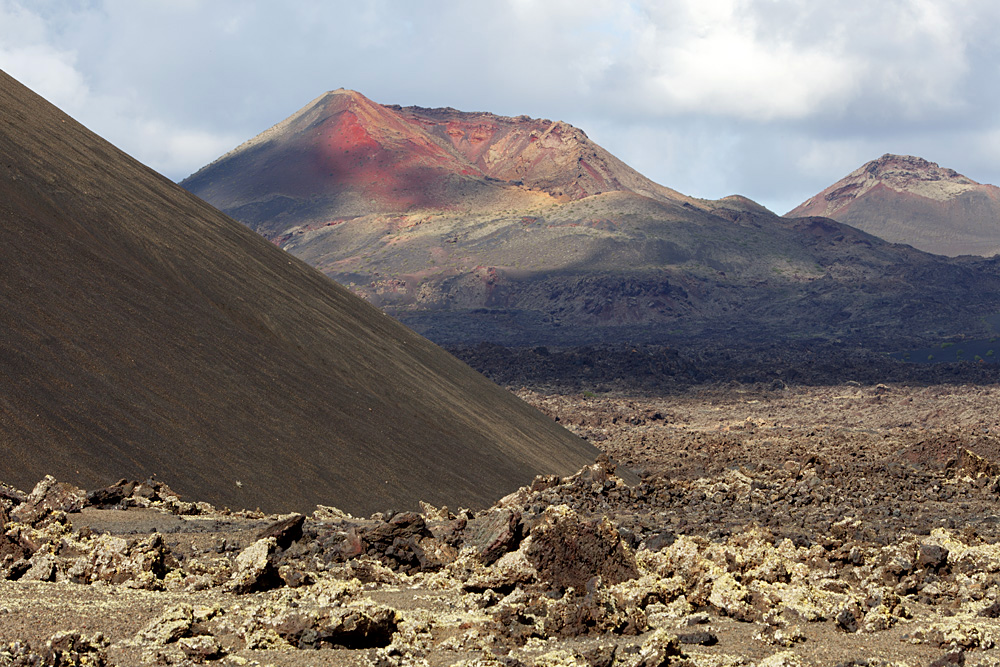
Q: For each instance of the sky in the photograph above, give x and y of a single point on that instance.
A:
(771, 99)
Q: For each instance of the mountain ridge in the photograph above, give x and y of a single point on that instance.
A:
(907, 199)
(404, 156)
(528, 233)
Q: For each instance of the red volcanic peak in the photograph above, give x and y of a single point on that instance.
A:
(552, 156)
(907, 199)
(363, 146)
(347, 155)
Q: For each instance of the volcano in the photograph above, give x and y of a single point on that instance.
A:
(147, 334)
(471, 227)
(343, 156)
(906, 199)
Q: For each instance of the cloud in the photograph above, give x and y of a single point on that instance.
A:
(64, 54)
(43, 67)
(768, 98)
(780, 60)
(712, 57)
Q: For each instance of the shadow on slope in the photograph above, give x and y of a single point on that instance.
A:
(657, 370)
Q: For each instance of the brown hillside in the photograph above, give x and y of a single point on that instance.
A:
(906, 199)
(145, 333)
(473, 227)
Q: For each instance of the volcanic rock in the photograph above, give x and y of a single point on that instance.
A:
(256, 570)
(494, 533)
(828, 560)
(569, 551)
(173, 624)
(201, 647)
(285, 531)
(49, 496)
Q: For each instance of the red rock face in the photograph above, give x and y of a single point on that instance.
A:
(359, 146)
(348, 155)
(551, 156)
(906, 199)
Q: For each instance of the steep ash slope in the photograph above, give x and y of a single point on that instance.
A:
(145, 333)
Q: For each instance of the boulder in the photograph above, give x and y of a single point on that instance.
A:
(73, 648)
(111, 495)
(405, 543)
(494, 533)
(284, 531)
(173, 624)
(255, 569)
(49, 496)
(568, 551)
(201, 647)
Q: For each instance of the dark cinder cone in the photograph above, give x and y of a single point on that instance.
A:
(145, 333)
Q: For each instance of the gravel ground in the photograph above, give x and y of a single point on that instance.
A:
(837, 525)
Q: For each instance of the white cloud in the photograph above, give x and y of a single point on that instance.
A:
(71, 81)
(760, 97)
(48, 72)
(27, 53)
(764, 60)
(708, 56)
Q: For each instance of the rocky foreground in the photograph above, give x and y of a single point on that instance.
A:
(751, 541)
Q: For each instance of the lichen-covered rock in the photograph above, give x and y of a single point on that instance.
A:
(781, 659)
(42, 567)
(955, 634)
(324, 615)
(65, 648)
(260, 638)
(74, 648)
(781, 636)
(965, 557)
(49, 496)
(878, 619)
(808, 603)
(559, 658)
(511, 570)
(650, 589)
(660, 649)
(327, 513)
(255, 569)
(113, 560)
(732, 598)
(597, 611)
(171, 625)
(201, 647)
(358, 625)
